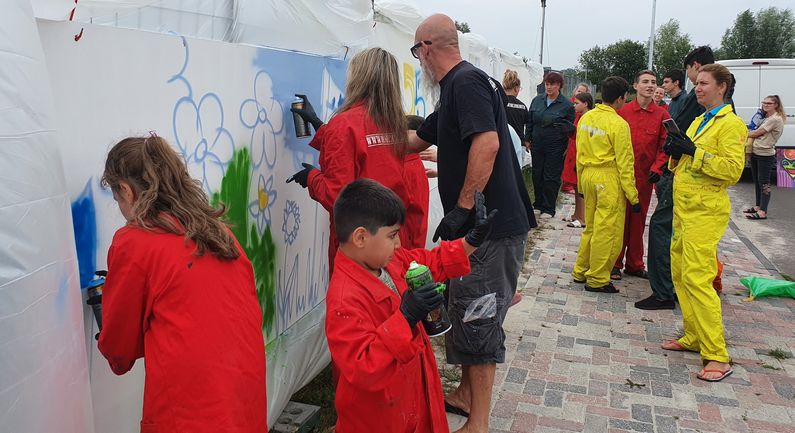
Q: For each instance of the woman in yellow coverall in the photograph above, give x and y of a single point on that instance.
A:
(605, 174)
(705, 162)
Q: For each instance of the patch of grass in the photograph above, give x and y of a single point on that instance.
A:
(320, 392)
(780, 354)
(770, 367)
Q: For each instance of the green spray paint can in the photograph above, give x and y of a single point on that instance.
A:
(437, 322)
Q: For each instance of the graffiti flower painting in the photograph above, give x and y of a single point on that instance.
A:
(292, 222)
(263, 115)
(260, 208)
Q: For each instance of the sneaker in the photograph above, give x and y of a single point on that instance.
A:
(546, 216)
(536, 211)
(652, 303)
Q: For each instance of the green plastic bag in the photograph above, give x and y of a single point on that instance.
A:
(765, 287)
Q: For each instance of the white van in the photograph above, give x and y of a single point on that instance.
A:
(757, 78)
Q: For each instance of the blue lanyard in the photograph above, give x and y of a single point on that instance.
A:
(708, 116)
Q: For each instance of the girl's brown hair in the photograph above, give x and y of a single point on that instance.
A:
(720, 73)
(164, 189)
(510, 80)
(586, 98)
(374, 79)
(779, 106)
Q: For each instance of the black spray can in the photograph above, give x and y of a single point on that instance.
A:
(301, 126)
(437, 322)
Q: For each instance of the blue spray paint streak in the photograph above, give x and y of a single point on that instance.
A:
(84, 222)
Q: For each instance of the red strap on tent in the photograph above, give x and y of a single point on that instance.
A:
(71, 18)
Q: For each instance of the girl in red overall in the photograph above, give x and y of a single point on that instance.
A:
(366, 138)
(583, 102)
(180, 293)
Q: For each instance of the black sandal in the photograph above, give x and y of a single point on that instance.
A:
(750, 210)
(756, 216)
(615, 274)
(640, 274)
(449, 408)
(609, 288)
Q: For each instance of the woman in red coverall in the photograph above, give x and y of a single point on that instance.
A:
(180, 293)
(365, 138)
(583, 102)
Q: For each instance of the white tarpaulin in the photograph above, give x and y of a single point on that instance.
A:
(43, 367)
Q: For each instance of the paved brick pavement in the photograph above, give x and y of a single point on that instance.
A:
(579, 361)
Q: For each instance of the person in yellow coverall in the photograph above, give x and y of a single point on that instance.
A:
(606, 174)
(704, 162)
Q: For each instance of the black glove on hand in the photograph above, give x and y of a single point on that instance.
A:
(636, 208)
(482, 228)
(416, 304)
(654, 177)
(302, 177)
(308, 113)
(451, 224)
(682, 146)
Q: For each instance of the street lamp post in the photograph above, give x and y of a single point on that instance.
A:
(543, 19)
(651, 36)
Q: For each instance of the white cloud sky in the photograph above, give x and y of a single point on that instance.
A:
(573, 26)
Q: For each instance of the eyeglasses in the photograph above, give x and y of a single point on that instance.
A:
(416, 46)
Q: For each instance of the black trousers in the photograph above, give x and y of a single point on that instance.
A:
(660, 232)
(761, 170)
(547, 168)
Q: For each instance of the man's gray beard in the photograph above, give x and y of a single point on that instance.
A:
(429, 89)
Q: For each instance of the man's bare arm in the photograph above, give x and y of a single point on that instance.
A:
(482, 154)
(415, 143)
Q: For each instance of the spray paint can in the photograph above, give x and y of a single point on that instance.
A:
(437, 322)
(94, 292)
(301, 126)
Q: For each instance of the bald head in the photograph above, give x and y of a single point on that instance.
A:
(440, 29)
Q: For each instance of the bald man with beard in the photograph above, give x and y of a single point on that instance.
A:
(475, 153)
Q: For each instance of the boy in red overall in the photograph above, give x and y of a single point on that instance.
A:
(388, 380)
(648, 135)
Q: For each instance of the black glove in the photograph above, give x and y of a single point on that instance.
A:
(308, 113)
(682, 146)
(302, 177)
(482, 228)
(654, 177)
(636, 208)
(416, 304)
(451, 224)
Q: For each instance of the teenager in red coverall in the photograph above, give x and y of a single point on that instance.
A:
(389, 381)
(648, 136)
(180, 293)
(365, 138)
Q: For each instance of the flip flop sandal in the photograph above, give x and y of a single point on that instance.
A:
(640, 274)
(723, 374)
(750, 210)
(615, 274)
(755, 216)
(677, 346)
(576, 224)
(568, 219)
(455, 410)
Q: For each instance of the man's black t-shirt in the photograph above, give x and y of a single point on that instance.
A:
(517, 115)
(471, 103)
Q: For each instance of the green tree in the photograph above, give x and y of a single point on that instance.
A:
(670, 47)
(623, 58)
(739, 41)
(770, 33)
(462, 27)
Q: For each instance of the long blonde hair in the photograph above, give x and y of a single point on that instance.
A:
(165, 190)
(374, 79)
(779, 107)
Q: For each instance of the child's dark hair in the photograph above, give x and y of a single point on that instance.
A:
(613, 88)
(703, 55)
(164, 189)
(413, 122)
(586, 98)
(676, 75)
(366, 203)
